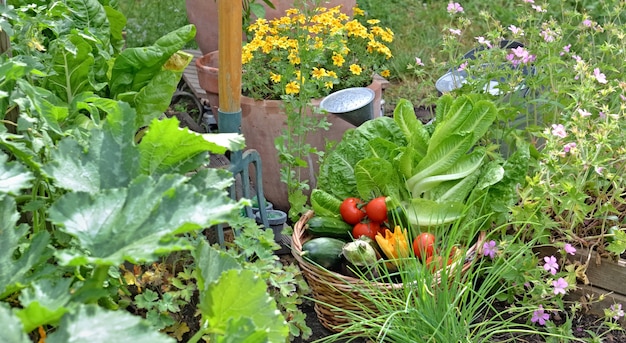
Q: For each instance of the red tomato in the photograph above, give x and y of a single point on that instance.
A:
(424, 245)
(350, 211)
(365, 229)
(376, 210)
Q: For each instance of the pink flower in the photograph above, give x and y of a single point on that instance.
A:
(565, 49)
(599, 76)
(587, 23)
(516, 30)
(577, 58)
(569, 249)
(569, 146)
(617, 311)
(482, 40)
(539, 316)
(559, 286)
(548, 35)
(584, 113)
(463, 66)
(530, 1)
(418, 61)
(454, 7)
(551, 265)
(490, 249)
(455, 32)
(599, 171)
(538, 8)
(559, 130)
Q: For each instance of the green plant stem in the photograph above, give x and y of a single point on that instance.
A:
(100, 275)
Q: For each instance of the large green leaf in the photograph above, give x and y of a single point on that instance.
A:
(212, 263)
(167, 148)
(72, 62)
(135, 67)
(376, 177)
(242, 294)
(136, 224)
(92, 324)
(111, 159)
(416, 134)
(426, 212)
(454, 116)
(44, 303)
(13, 270)
(13, 176)
(11, 327)
(243, 330)
(481, 118)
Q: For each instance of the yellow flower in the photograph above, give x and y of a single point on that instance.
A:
(318, 73)
(395, 244)
(292, 88)
(338, 59)
(355, 69)
(357, 11)
(328, 84)
(332, 74)
(385, 73)
(276, 77)
(373, 21)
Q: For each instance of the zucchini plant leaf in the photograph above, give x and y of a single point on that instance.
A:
(212, 263)
(13, 271)
(243, 330)
(93, 324)
(13, 176)
(111, 160)
(137, 223)
(183, 150)
(242, 294)
(12, 330)
(44, 302)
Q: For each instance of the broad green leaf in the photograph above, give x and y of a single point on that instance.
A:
(456, 190)
(153, 99)
(72, 62)
(18, 149)
(43, 303)
(465, 166)
(212, 263)
(440, 159)
(167, 148)
(13, 270)
(13, 176)
(376, 177)
(242, 294)
(479, 120)
(454, 116)
(443, 107)
(117, 22)
(137, 223)
(89, 14)
(413, 129)
(493, 174)
(12, 331)
(92, 324)
(211, 178)
(382, 148)
(243, 330)
(135, 67)
(426, 212)
(39, 103)
(111, 159)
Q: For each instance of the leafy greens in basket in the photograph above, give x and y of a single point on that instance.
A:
(429, 169)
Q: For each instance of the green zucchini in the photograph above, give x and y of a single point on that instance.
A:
(329, 227)
(325, 251)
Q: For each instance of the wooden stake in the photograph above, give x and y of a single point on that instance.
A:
(229, 45)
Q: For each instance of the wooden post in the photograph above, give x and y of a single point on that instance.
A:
(229, 45)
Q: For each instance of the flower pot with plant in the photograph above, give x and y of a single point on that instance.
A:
(290, 63)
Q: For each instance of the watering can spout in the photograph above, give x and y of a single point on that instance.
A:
(354, 105)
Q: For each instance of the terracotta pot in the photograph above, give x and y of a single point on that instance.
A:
(203, 14)
(263, 121)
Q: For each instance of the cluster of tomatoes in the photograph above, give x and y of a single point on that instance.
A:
(370, 218)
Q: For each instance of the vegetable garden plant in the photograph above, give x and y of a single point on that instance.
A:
(98, 195)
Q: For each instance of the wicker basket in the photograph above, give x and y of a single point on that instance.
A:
(335, 293)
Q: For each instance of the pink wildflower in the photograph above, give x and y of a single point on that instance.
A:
(530, 1)
(599, 171)
(617, 311)
(559, 130)
(583, 113)
(548, 35)
(599, 76)
(520, 55)
(516, 30)
(587, 23)
(463, 66)
(569, 249)
(454, 7)
(559, 286)
(456, 32)
(418, 61)
(482, 40)
(551, 265)
(490, 249)
(538, 8)
(569, 146)
(539, 316)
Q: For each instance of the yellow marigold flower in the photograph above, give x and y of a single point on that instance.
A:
(331, 73)
(246, 56)
(373, 21)
(275, 77)
(338, 60)
(318, 73)
(357, 11)
(394, 245)
(292, 88)
(328, 85)
(291, 11)
(355, 69)
(385, 73)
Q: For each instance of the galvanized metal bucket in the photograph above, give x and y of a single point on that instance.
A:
(354, 105)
